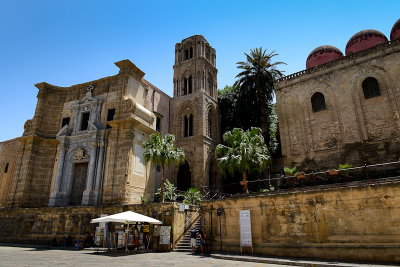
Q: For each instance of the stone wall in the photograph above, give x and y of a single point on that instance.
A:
(352, 129)
(41, 225)
(356, 224)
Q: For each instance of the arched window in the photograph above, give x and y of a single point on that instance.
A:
(210, 85)
(191, 52)
(318, 102)
(186, 54)
(191, 125)
(371, 88)
(188, 126)
(190, 84)
(209, 130)
(6, 168)
(184, 86)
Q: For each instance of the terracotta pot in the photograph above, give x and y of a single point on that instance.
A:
(301, 176)
(333, 172)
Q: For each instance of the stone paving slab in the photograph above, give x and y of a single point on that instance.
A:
(32, 256)
(294, 262)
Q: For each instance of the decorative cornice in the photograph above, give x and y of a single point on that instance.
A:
(127, 67)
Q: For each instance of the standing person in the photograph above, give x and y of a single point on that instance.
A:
(202, 241)
(137, 237)
(193, 235)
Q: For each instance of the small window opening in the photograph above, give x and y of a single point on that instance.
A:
(191, 52)
(158, 168)
(158, 124)
(318, 102)
(6, 168)
(84, 122)
(65, 121)
(110, 116)
(371, 88)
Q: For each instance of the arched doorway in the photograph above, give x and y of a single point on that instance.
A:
(184, 177)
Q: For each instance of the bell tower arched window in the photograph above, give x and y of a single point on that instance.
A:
(191, 125)
(371, 88)
(184, 91)
(188, 126)
(190, 84)
(318, 102)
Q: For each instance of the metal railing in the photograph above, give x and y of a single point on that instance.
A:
(378, 173)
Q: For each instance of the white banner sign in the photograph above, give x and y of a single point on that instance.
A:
(245, 228)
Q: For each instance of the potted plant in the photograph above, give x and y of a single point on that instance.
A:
(300, 175)
(345, 167)
(290, 172)
(333, 172)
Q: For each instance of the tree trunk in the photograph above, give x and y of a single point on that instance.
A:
(162, 184)
(264, 118)
(245, 189)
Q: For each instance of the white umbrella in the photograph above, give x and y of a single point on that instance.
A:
(126, 217)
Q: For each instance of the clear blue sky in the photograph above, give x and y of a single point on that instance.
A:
(71, 42)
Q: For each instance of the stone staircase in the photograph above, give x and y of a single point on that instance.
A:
(184, 244)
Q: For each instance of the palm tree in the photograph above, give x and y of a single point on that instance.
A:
(257, 79)
(244, 151)
(162, 151)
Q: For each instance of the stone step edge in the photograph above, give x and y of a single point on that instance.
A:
(304, 263)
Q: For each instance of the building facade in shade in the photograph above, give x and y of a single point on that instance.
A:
(84, 145)
(343, 108)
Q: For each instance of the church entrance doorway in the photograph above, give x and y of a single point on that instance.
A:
(78, 183)
(184, 177)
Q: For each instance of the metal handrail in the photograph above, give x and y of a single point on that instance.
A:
(186, 223)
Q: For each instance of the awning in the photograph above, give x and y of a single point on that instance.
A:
(126, 217)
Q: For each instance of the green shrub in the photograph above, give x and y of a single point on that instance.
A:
(170, 193)
(192, 196)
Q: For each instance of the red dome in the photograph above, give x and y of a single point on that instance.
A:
(323, 54)
(395, 32)
(364, 40)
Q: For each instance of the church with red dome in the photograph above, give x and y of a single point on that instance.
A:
(345, 106)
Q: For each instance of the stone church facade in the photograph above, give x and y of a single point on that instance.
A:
(343, 108)
(83, 147)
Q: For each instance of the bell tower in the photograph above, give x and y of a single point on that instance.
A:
(194, 112)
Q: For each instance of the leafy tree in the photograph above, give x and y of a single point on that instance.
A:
(244, 151)
(192, 196)
(162, 151)
(237, 111)
(256, 81)
(170, 192)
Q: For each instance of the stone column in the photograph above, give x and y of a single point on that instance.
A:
(56, 196)
(88, 195)
(99, 173)
(57, 185)
(92, 165)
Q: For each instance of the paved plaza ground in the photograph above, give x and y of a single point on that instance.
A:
(39, 256)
